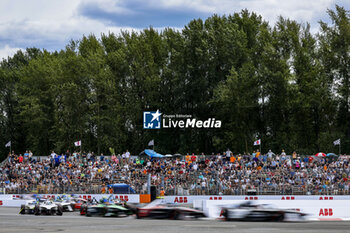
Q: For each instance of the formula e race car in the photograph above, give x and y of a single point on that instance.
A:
(67, 203)
(79, 202)
(248, 211)
(28, 208)
(48, 208)
(158, 209)
(106, 207)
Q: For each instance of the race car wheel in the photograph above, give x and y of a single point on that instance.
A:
(23, 209)
(37, 210)
(224, 214)
(137, 214)
(83, 209)
(88, 213)
(196, 216)
(280, 218)
(177, 215)
(52, 211)
(59, 210)
(117, 214)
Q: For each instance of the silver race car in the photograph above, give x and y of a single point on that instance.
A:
(66, 202)
(48, 208)
(248, 211)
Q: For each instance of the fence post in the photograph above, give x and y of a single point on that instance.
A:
(149, 184)
(175, 184)
(162, 181)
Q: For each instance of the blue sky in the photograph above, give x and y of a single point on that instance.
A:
(50, 24)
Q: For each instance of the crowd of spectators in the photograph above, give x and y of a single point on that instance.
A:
(223, 173)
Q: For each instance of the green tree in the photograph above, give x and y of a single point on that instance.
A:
(334, 42)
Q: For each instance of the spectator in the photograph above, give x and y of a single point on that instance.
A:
(20, 158)
(213, 175)
(26, 156)
(127, 156)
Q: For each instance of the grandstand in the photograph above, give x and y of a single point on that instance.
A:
(185, 175)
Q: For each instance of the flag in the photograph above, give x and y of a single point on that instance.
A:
(337, 142)
(257, 142)
(8, 144)
(78, 143)
(151, 143)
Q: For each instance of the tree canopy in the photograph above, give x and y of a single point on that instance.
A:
(279, 83)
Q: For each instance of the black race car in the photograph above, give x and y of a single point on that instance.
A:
(158, 209)
(107, 207)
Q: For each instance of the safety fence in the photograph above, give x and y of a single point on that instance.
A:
(170, 188)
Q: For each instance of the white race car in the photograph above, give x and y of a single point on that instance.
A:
(248, 211)
(28, 208)
(48, 208)
(66, 204)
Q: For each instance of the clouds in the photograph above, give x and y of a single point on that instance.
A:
(138, 14)
(51, 24)
(7, 52)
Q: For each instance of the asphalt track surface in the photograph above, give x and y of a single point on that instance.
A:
(11, 221)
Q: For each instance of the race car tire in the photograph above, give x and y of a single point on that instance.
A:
(137, 214)
(196, 216)
(36, 210)
(83, 209)
(280, 218)
(224, 214)
(177, 215)
(52, 211)
(117, 214)
(23, 209)
(59, 210)
(88, 213)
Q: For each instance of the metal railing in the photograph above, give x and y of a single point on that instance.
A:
(181, 188)
(97, 189)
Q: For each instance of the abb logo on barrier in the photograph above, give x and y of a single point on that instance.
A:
(288, 198)
(215, 198)
(326, 198)
(326, 212)
(251, 198)
(86, 197)
(0, 202)
(180, 200)
(122, 198)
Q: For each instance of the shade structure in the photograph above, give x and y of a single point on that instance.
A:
(153, 154)
(331, 154)
(320, 154)
(122, 189)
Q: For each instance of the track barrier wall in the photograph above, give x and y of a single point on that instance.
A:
(317, 207)
(191, 199)
(13, 199)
